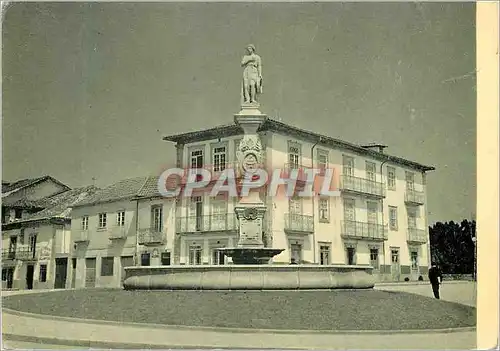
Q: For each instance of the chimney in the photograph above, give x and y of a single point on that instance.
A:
(375, 146)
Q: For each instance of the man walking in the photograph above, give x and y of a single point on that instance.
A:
(436, 278)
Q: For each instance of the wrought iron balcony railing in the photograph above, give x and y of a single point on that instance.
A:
(207, 223)
(414, 197)
(80, 236)
(8, 254)
(364, 230)
(151, 235)
(117, 232)
(418, 236)
(26, 254)
(362, 186)
(299, 223)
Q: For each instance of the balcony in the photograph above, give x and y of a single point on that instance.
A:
(26, 254)
(362, 186)
(413, 197)
(8, 255)
(81, 236)
(363, 231)
(151, 236)
(417, 236)
(209, 223)
(298, 223)
(117, 233)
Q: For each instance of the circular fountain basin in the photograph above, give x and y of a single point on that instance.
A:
(248, 277)
(246, 255)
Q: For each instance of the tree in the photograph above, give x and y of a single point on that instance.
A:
(452, 246)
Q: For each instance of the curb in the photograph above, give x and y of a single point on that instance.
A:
(446, 282)
(237, 330)
(116, 345)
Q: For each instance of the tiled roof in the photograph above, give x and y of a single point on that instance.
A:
(149, 188)
(124, 189)
(60, 205)
(10, 188)
(287, 129)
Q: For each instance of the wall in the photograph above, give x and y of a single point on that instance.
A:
(99, 244)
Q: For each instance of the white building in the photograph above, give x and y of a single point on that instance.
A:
(379, 219)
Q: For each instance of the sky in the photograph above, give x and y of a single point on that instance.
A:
(89, 89)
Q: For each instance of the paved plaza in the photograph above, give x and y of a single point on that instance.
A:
(19, 328)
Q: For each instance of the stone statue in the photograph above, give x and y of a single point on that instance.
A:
(252, 75)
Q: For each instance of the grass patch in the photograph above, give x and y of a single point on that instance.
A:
(311, 310)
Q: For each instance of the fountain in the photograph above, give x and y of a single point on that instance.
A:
(250, 268)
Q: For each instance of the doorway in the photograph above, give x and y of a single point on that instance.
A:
(30, 271)
(10, 277)
(395, 265)
(351, 256)
(73, 273)
(90, 272)
(61, 273)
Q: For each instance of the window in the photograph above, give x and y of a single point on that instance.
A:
(21, 237)
(391, 178)
(349, 210)
(295, 205)
(197, 159)
(157, 218)
(18, 213)
(195, 253)
(165, 258)
(4, 274)
(120, 219)
(393, 218)
(195, 212)
(372, 212)
(85, 222)
(293, 155)
(348, 165)
(219, 214)
(351, 255)
(32, 243)
(322, 160)
(107, 266)
(102, 220)
(145, 259)
(371, 171)
(43, 273)
(219, 158)
(412, 217)
(374, 258)
(324, 254)
(410, 181)
(395, 256)
(218, 257)
(414, 260)
(324, 210)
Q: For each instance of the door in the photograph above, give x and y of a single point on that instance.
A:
(395, 265)
(350, 217)
(126, 261)
(296, 253)
(90, 272)
(372, 208)
(218, 257)
(12, 247)
(30, 271)
(10, 278)
(218, 218)
(61, 273)
(73, 273)
(195, 253)
(351, 256)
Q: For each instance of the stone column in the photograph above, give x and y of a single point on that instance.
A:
(250, 209)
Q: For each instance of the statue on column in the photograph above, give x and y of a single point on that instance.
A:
(252, 75)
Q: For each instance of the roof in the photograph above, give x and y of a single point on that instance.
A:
(9, 188)
(283, 128)
(149, 188)
(59, 205)
(122, 190)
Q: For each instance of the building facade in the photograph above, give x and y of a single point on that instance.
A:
(36, 250)
(380, 217)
